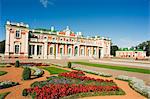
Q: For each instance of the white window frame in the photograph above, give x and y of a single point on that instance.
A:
(52, 50)
(18, 52)
(69, 50)
(32, 50)
(18, 34)
(82, 51)
(39, 52)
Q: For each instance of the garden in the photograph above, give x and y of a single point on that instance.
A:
(43, 81)
(71, 83)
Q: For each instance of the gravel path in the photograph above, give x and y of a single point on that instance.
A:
(15, 75)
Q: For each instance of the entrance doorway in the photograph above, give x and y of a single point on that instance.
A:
(76, 51)
(99, 53)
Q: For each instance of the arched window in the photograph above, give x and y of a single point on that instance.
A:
(51, 50)
(16, 49)
(69, 51)
(76, 51)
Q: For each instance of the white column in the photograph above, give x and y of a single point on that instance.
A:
(78, 50)
(35, 50)
(72, 50)
(85, 54)
(56, 50)
(102, 52)
(26, 44)
(45, 50)
(97, 52)
(66, 49)
(7, 47)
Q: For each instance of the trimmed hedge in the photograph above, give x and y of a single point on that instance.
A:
(69, 64)
(26, 73)
(136, 84)
(17, 63)
(7, 84)
(24, 92)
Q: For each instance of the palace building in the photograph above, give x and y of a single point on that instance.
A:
(131, 53)
(23, 42)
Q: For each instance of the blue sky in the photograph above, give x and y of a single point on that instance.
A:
(126, 22)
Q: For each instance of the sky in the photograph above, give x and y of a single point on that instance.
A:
(126, 22)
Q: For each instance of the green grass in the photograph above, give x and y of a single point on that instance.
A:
(123, 68)
(54, 70)
(3, 95)
(89, 94)
(2, 73)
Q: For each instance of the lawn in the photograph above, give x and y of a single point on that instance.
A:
(3, 95)
(123, 68)
(2, 73)
(55, 70)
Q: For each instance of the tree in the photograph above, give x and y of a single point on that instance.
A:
(113, 50)
(145, 46)
(2, 46)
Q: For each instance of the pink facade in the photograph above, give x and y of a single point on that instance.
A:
(131, 54)
(22, 42)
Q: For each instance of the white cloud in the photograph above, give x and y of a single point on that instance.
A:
(46, 2)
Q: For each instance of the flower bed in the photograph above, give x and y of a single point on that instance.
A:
(56, 87)
(31, 64)
(137, 84)
(94, 72)
(55, 91)
(7, 84)
(77, 74)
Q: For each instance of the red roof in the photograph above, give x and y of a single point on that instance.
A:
(72, 34)
(62, 33)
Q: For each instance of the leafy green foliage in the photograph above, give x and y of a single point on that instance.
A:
(3, 95)
(113, 50)
(3, 73)
(2, 46)
(26, 73)
(24, 92)
(54, 70)
(69, 64)
(138, 70)
(17, 64)
(145, 46)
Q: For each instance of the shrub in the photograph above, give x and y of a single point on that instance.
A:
(7, 84)
(69, 64)
(136, 84)
(26, 73)
(17, 64)
(24, 92)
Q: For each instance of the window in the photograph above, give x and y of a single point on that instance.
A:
(51, 50)
(82, 52)
(31, 49)
(39, 49)
(16, 49)
(61, 51)
(88, 52)
(69, 51)
(94, 52)
(18, 34)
